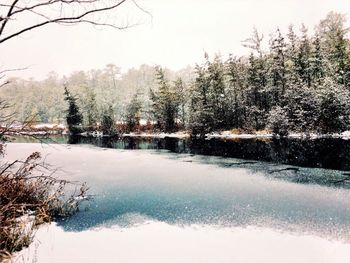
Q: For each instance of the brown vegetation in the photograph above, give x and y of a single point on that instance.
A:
(30, 196)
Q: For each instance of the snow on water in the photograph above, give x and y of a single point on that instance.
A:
(161, 242)
(155, 206)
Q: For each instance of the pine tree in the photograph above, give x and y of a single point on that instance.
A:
(91, 110)
(164, 103)
(292, 57)
(334, 110)
(74, 118)
(108, 122)
(317, 63)
(133, 113)
(217, 92)
(256, 98)
(201, 114)
(278, 121)
(278, 67)
(303, 66)
(301, 105)
(235, 71)
(181, 92)
(333, 32)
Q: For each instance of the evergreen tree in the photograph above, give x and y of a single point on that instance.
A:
(217, 92)
(278, 67)
(164, 103)
(301, 106)
(91, 110)
(256, 96)
(317, 62)
(180, 90)
(201, 114)
(133, 113)
(256, 102)
(334, 111)
(253, 80)
(108, 122)
(74, 118)
(292, 57)
(278, 121)
(303, 66)
(235, 71)
(333, 32)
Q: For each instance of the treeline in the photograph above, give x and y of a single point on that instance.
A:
(96, 91)
(298, 81)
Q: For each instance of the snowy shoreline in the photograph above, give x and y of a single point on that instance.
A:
(228, 135)
(60, 129)
(226, 244)
(184, 135)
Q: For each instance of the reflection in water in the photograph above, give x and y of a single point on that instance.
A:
(321, 153)
(134, 187)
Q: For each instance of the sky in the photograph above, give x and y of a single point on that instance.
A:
(177, 34)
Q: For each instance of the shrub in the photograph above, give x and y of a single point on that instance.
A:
(278, 121)
(27, 193)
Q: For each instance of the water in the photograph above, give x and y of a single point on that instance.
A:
(322, 153)
(157, 205)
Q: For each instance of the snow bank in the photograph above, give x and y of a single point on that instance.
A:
(160, 242)
(48, 126)
(228, 135)
(345, 135)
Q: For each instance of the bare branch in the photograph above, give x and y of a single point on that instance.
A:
(6, 19)
(11, 70)
(99, 24)
(80, 12)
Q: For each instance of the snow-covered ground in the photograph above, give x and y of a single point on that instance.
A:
(228, 135)
(48, 126)
(161, 242)
(158, 135)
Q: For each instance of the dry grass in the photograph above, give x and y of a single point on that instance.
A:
(236, 131)
(264, 132)
(29, 196)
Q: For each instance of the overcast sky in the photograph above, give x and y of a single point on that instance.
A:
(177, 35)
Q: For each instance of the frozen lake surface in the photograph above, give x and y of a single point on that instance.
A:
(158, 206)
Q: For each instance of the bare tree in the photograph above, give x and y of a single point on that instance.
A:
(63, 12)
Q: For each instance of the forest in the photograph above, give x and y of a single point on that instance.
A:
(242, 152)
(298, 81)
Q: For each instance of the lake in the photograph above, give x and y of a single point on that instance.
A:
(171, 200)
